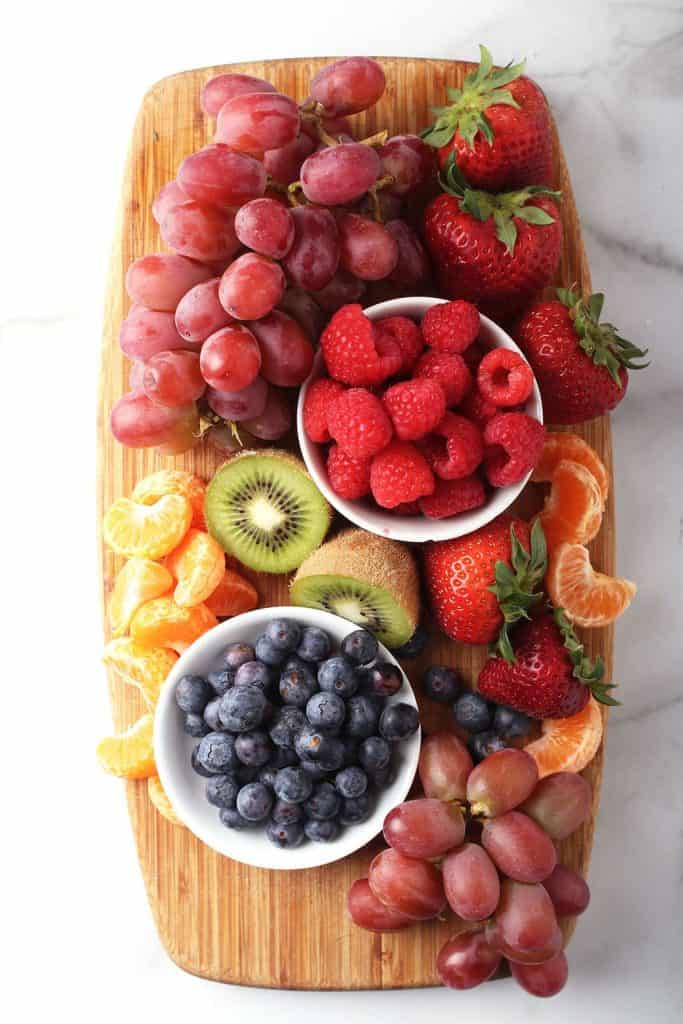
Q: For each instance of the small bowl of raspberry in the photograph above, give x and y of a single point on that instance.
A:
(421, 418)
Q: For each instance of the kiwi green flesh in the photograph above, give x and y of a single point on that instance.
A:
(370, 607)
(266, 513)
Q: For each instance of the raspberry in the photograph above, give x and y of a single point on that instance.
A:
(349, 478)
(464, 447)
(451, 326)
(390, 354)
(519, 442)
(449, 370)
(319, 397)
(407, 508)
(451, 497)
(415, 407)
(474, 354)
(477, 408)
(408, 337)
(351, 356)
(399, 474)
(504, 377)
(359, 424)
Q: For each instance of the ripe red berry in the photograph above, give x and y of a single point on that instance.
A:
(517, 442)
(451, 326)
(349, 478)
(464, 447)
(415, 407)
(505, 378)
(474, 354)
(359, 424)
(399, 474)
(351, 353)
(477, 408)
(451, 497)
(319, 397)
(408, 337)
(449, 370)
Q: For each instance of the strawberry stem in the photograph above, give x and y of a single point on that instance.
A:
(516, 586)
(598, 340)
(586, 671)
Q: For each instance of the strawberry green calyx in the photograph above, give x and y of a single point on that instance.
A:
(516, 586)
(586, 671)
(482, 88)
(598, 340)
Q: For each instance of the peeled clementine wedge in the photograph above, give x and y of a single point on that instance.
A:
(140, 580)
(147, 531)
(573, 509)
(232, 596)
(158, 797)
(198, 564)
(560, 446)
(129, 754)
(174, 481)
(589, 598)
(144, 667)
(163, 623)
(568, 744)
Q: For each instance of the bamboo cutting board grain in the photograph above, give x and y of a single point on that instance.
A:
(216, 918)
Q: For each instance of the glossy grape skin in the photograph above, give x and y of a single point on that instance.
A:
(199, 313)
(230, 358)
(284, 164)
(266, 226)
(413, 887)
(137, 422)
(501, 781)
(200, 231)
(257, 121)
(339, 174)
(348, 86)
(409, 160)
(173, 378)
(366, 248)
(144, 332)
(341, 290)
(412, 267)
(275, 420)
(444, 765)
(314, 256)
(525, 928)
(301, 305)
(542, 980)
(519, 847)
(560, 803)
(466, 961)
(424, 828)
(221, 88)
(221, 177)
(366, 911)
(568, 890)
(251, 287)
(286, 352)
(239, 405)
(471, 882)
(159, 280)
(168, 196)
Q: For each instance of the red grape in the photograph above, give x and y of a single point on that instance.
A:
(501, 781)
(560, 803)
(568, 891)
(390, 206)
(366, 248)
(200, 313)
(230, 358)
(220, 176)
(340, 290)
(367, 912)
(424, 828)
(136, 375)
(222, 88)
(266, 226)
(144, 332)
(167, 197)
(339, 174)
(444, 766)
(160, 280)
(314, 255)
(525, 928)
(251, 287)
(413, 264)
(471, 882)
(257, 121)
(408, 160)
(286, 352)
(284, 164)
(200, 231)
(275, 420)
(542, 980)
(519, 847)
(348, 86)
(467, 960)
(173, 378)
(137, 422)
(413, 887)
(302, 306)
(239, 405)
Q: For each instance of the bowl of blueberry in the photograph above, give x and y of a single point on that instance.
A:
(283, 737)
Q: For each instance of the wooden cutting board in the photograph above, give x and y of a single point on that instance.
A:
(216, 918)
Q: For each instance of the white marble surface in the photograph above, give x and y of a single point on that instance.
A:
(79, 934)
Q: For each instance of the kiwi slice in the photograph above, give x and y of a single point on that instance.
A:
(365, 578)
(263, 508)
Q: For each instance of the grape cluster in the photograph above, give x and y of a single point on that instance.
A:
(282, 219)
(492, 829)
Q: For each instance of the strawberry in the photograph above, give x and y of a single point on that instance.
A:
(497, 250)
(580, 364)
(500, 137)
(546, 674)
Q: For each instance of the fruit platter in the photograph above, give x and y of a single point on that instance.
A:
(357, 524)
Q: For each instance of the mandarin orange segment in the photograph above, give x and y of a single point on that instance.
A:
(163, 623)
(573, 509)
(174, 481)
(129, 754)
(560, 446)
(143, 667)
(589, 598)
(232, 596)
(147, 531)
(568, 744)
(140, 580)
(158, 797)
(198, 564)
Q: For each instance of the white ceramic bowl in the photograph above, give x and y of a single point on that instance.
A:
(186, 789)
(414, 529)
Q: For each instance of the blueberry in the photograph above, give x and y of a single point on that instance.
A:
(472, 712)
(362, 715)
(267, 652)
(350, 744)
(314, 644)
(321, 831)
(294, 662)
(323, 803)
(484, 743)
(222, 790)
(192, 694)
(267, 775)
(282, 757)
(337, 675)
(253, 748)
(194, 725)
(355, 809)
(313, 745)
(221, 682)
(232, 818)
(360, 647)
(383, 777)
(237, 654)
(287, 723)
(351, 782)
(510, 724)
(243, 708)
(254, 801)
(283, 634)
(286, 836)
(325, 711)
(255, 673)
(198, 767)
(211, 716)
(398, 721)
(331, 754)
(415, 646)
(441, 684)
(285, 813)
(382, 680)
(374, 753)
(293, 785)
(216, 752)
(247, 773)
(297, 686)
(314, 771)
